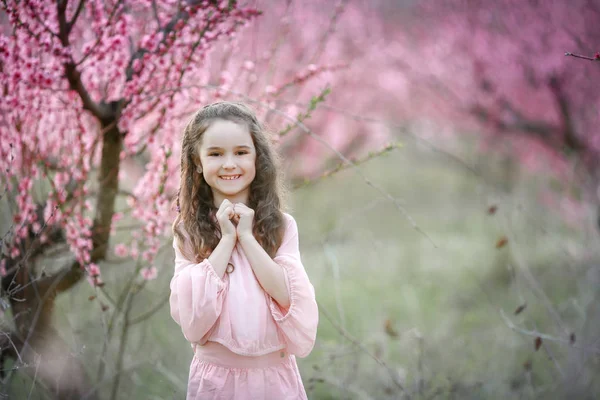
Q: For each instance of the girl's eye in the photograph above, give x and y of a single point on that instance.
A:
(242, 152)
(213, 154)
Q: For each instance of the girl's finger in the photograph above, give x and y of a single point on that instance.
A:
(230, 212)
(224, 204)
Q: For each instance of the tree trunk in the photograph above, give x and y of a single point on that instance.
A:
(35, 341)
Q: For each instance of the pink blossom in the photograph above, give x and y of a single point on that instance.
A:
(14, 252)
(117, 217)
(93, 270)
(149, 273)
(121, 250)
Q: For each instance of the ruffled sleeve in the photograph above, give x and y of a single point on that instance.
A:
(299, 321)
(197, 296)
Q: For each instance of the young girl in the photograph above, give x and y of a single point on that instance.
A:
(239, 292)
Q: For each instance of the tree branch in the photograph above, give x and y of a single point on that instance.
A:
(71, 72)
(544, 336)
(571, 139)
(343, 332)
(71, 23)
(595, 58)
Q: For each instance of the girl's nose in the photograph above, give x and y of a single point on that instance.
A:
(228, 163)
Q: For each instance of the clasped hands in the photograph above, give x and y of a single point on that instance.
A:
(235, 220)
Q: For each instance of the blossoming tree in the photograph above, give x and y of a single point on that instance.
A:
(94, 97)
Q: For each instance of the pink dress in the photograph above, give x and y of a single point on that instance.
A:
(244, 343)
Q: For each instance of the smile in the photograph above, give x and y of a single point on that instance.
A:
(230, 177)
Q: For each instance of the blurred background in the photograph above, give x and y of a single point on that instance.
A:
(443, 162)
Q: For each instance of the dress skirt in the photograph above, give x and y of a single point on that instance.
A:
(216, 373)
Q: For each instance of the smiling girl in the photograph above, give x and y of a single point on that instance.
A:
(239, 291)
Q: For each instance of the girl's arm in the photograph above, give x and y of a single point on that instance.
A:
(268, 272)
(295, 311)
(198, 290)
(197, 296)
(220, 256)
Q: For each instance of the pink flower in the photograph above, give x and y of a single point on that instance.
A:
(121, 250)
(14, 252)
(270, 89)
(149, 273)
(94, 270)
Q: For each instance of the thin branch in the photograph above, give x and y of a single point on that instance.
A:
(533, 283)
(71, 23)
(12, 343)
(37, 17)
(37, 366)
(72, 74)
(150, 312)
(108, 22)
(544, 336)
(356, 169)
(345, 334)
(595, 58)
(343, 166)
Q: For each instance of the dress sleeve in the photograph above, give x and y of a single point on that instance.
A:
(299, 321)
(197, 295)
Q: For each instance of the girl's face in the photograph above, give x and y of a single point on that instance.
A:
(228, 159)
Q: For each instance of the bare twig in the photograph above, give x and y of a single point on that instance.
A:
(344, 333)
(533, 283)
(544, 336)
(37, 366)
(344, 166)
(596, 58)
(152, 311)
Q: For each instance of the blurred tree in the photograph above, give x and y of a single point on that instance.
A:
(500, 68)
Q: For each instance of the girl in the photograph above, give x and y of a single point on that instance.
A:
(239, 292)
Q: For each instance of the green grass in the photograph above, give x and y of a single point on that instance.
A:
(441, 289)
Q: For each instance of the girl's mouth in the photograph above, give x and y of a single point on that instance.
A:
(230, 177)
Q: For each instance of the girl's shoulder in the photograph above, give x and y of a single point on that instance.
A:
(179, 228)
(288, 218)
(289, 223)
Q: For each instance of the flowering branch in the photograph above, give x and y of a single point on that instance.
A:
(343, 166)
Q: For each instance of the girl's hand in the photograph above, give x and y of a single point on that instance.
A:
(245, 216)
(225, 214)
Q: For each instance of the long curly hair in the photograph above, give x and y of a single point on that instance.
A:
(195, 205)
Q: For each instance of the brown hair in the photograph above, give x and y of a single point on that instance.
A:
(195, 199)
